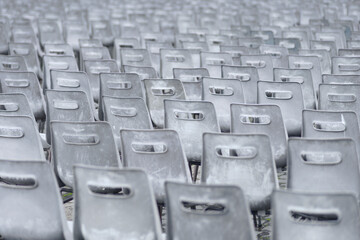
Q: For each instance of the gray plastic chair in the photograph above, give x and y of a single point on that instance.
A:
(121, 43)
(13, 63)
(28, 84)
(302, 76)
(339, 97)
(262, 119)
(279, 55)
(101, 29)
(191, 79)
(159, 153)
(154, 51)
(214, 41)
(322, 54)
(308, 62)
(346, 65)
(122, 85)
(213, 62)
(263, 64)
(191, 119)
(15, 104)
(156, 90)
(127, 210)
(58, 50)
(217, 212)
(237, 51)
(67, 106)
(93, 53)
(86, 42)
(49, 32)
(222, 93)
(323, 166)
(135, 57)
(143, 72)
(242, 160)
(28, 51)
(291, 44)
(195, 48)
(65, 63)
(93, 68)
(248, 77)
(314, 216)
(20, 139)
(31, 206)
(126, 113)
(88, 143)
(288, 96)
(174, 58)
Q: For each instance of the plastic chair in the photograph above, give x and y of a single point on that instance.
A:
(66, 106)
(174, 58)
(15, 104)
(159, 153)
(143, 72)
(279, 55)
(191, 79)
(345, 65)
(58, 50)
(288, 96)
(28, 84)
(315, 216)
(88, 143)
(262, 119)
(248, 77)
(217, 212)
(222, 93)
(126, 210)
(213, 62)
(20, 139)
(28, 51)
(242, 160)
(263, 64)
(323, 166)
(135, 57)
(32, 208)
(156, 90)
(191, 119)
(123, 43)
(93, 53)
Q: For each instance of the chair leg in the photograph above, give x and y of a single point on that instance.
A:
(196, 171)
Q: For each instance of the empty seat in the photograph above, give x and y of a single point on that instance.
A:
(159, 153)
(114, 204)
(143, 72)
(288, 96)
(135, 57)
(242, 160)
(263, 64)
(346, 65)
(174, 58)
(28, 84)
(15, 104)
(31, 204)
(216, 212)
(323, 165)
(314, 216)
(191, 119)
(191, 78)
(121, 85)
(87, 143)
(222, 93)
(262, 119)
(13, 63)
(20, 139)
(156, 90)
(213, 62)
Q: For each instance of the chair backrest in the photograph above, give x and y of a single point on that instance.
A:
(323, 165)
(315, 216)
(159, 153)
(122, 85)
(217, 212)
(243, 160)
(302, 76)
(126, 113)
(263, 64)
(340, 79)
(279, 55)
(122, 196)
(213, 62)
(20, 139)
(135, 57)
(291, 44)
(191, 119)
(308, 62)
(222, 92)
(248, 76)
(174, 58)
(288, 96)
(66, 106)
(262, 119)
(322, 54)
(143, 72)
(237, 51)
(28, 51)
(65, 63)
(123, 43)
(339, 97)
(94, 68)
(345, 65)
(93, 53)
(191, 79)
(88, 143)
(32, 208)
(58, 49)
(13, 63)
(156, 90)
(28, 84)
(15, 104)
